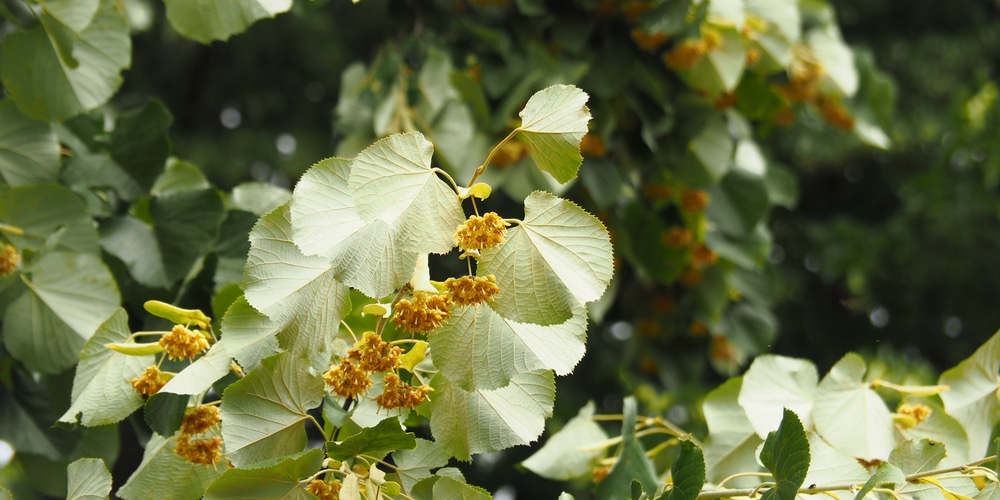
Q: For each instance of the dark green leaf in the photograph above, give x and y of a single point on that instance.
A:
(280, 480)
(139, 143)
(374, 442)
(164, 412)
(417, 463)
(186, 224)
(688, 473)
(29, 152)
(786, 454)
(631, 463)
(738, 203)
(886, 473)
(44, 209)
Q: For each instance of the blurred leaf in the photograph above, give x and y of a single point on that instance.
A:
(134, 242)
(374, 442)
(783, 13)
(45, 211)
(786, 454)
(480, 349)
(782, 187)
(631, 465)
(558, 251)
(102, 51)
(29, 151)
(185, 224)
(208, 20)
(738, 203)
(26, 416)
(280, 480)
(710, 154)
(101, 392)
(721, 69)
(603, 181)
(972, 399)
(88, 479)
(464, 423)
(164, 475)
(265, 412)
(259, 198)
(836, 57)
(68, 297)
(179, 176)
(758, 100)
(773, 382)
(139, 143)
(552, 123)
(643, 245)
(564, 455)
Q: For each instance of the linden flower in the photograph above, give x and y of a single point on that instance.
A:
(702, 256)
(182, 343)
(200, 419)
(471, 290)
(917, 412)
(834, 112)
(678, 237)
(423, 314)
(694, 200)
(199, 451)
(477, 233)
(374, 354)
(510, 153)
(398, 394)
(324, 490)
(347, 380)
(9, 260)
(686, 54)
(149, 382)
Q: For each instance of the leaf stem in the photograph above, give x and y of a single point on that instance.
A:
(7, 228)
(482, 168)
(346, 407)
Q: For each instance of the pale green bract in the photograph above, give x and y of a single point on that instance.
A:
(88, 479)
(53, 75)
(850, 415)
(553, 122)
(554, 261)
(264, 413)
(101, 393)
(208, 20)
(199, 376)
(249, 335)
(465, 422)
(480, 349)
(972, 398)
(570, 453)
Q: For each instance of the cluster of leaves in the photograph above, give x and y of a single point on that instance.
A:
(780, 431)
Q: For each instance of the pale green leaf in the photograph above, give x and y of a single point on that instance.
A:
(264, 413)
(568, 453)
(943, 428)
(749, 158)
(913, 457)
(553, 122)
(375, 441)
(67, 298)
(480, 421)
(774, 382)
(732, 442)
(322, 211)
(277, 480)
(259, 198)
(249, 335)
(179, 176)
(782, 13)
(557, 259)
(721, 69)
(208, 20)
(407, 209)
(449, 488)
(88, 479)
(990, 492)
(101, 391)
(75, 15)
(482, 350)
(278, 276)
(836, 57)
(871, 134)
(164, 475)
(134, 242)
(710, 154)
(729, 12)
(310, 334)
(786, 454)
(416, 464)
(831, 466)
(47, 87)
(46, 212)
(850, 415)
(29, 151)
(973, 396)
(199, 376)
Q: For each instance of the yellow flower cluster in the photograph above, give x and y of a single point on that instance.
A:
(374, 354)
(199, 451)
(423, 314)
(917, 412)
(510, 153)
(646, 40)
(471, 290)
(347, 379)
(694, 200)
(689, 52)
(398, 394)
(200, 419)
(477, 233)
(593, 145)
(182, 343)
(678, 237)
(149, 382)
(9, 259)
(324, 490)
(702, 256)
(804, 75)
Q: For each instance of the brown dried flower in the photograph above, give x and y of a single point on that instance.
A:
(200, 419)
(199, 451)
(694, 200)
(423, 314)
(471, 290)
(347, 379)
(374, 354)
(398, 394)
